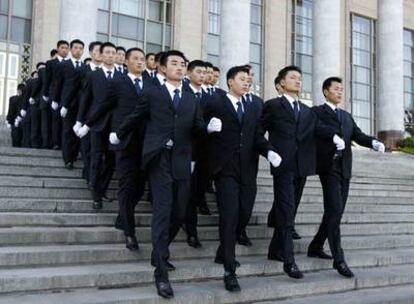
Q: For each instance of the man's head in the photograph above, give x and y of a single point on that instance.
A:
(278, 87)
(150, 61)
(120, 55)
(209, 73)
(20, 88)
(291, 79)
(87, 60)
(108, 53)
(173, 65)
(157, 59)
(53, 53)
(237, 80)
(95, 51)
(40, 65)
(216, 75)
(332, 89)
(196, 71)
(76, 48)
(33, 74)
(62, 48)
(135, 60)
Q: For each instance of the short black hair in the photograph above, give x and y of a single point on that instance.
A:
(87, 59)
(283, 72)
(209, 65)
(196, 63)
(149, 55)
(53, 52)
(93, 44)
(21, 86)
(164, 58)
(106, 44)
(248, 66)
(39, 64)
(128, 53)
(62, 42)
(120, 48)
(33, 73)
(233, 71)
(328, 82)
(76, 41)
(216, 69)
(277, 80)
(158, 56)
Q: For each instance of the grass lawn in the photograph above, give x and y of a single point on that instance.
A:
(407, 150)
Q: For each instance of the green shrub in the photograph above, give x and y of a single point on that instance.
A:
(406, 142)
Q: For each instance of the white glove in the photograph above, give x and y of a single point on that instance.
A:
(83, 131)
(8, 125)
(22, 113)
(17, 121)
(378, 146)
(113, 139)
(31, 101)
(76, 127)
(63, 112)
(339, 142)
(192, 167)
(274, 158)
(45, 98)
(55, 105)
(214, 125)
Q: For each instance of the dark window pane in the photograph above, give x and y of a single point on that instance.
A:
(4, 6)
(255, 33)
(127, 27)
(133, 8)
(20, 30)
(255, 14)
(103, 22)
(154, 32)
(153, 48)
(101, 37)
(22, 8)
(155, 10)
(3, 27)
(103, 4)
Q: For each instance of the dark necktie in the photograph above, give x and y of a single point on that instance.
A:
(198, 95)
(209, 91)
(176, 99)
(109, 74)
(77, 64)
(296, 110)
(120, 69)
(248, 98)
(239, 112)
(137, 85)
(338, 114)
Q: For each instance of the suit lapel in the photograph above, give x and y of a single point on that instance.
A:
(229, 105)
(286, 104)
(167, 97)
(328, 110)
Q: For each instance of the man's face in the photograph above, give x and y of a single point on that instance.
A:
(292, 82)
(197, 75)
(76, 50)
(239, 84)
(135, 62)
(175, 68)
(216, 76)
(209, 76)
(150, 63)
(96, 54)
(120, 57)
(279, 89)
(334, 93)
(63, 50)
(108, 55)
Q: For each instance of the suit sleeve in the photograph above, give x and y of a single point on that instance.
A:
(37, 85)
(360, 137)
(69, 88)
(105, 105)
(57, 83)
(266, 117)
(86, 99)
(262, 145)
(199, 127)
(12, 112)
(135, 118)
(321, 129)
(47, 79)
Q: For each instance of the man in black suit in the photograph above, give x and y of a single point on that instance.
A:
(292, 127)
(102, 159)
(13, 118)
(71, 76)
(85, 142)
(25, 111)
(120, 60)
(334, 169)
(160, 77)
(234, 141)
(150, 67)
(215, 80)
(173, 116)
(122, 97)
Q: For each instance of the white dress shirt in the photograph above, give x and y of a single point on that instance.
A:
(161, 78)
(195, 90)
(74, 62)
(234, 101)
(291, 101)
(172, 88)
(94, 66)
(133, 77)
(105, 70)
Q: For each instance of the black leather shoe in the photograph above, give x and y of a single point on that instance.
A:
(106, 199)
(320, 254)
(244, 240)
(210, 188)
(219, 260)
(56, 147)
(97, 205)
(292, 271)
(231, 283)
(295, 235)
(131, 243)
(275, 257)
(69, 165)
(343, 269)
(168, 265)
(193, 241)
(204, 210)
(164, 289)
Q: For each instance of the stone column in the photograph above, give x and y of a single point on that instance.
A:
(79, 19)
(390, 98)
(235, 35)
(326, 44)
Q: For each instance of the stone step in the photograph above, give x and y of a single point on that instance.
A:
(260, 280)
(29, 256)
(23, 152)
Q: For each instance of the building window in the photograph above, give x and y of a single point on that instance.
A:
(16, 20)
(136, 23)
(363, 73)
(302, 43)
(256, 16)
(409, 69)
(213, 37)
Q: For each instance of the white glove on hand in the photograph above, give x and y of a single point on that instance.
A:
(83, 131)
(22, 113)
(17, 121)
(8, 125)
(274, 158)
(214, 125)
(55, 105)
(113, 139)
(76, 127)
(339, 142)
(45, 98)
(63, 112)
(192, 167)
(378, 146)
(31, 101)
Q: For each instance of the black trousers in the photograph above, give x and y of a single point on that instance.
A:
(169, 203)
(26, 130)
(102, 163)
(16, 136)
(35, 126)
(46, 126)
(131, 188)
(335, 194)
(56, 128)
(235, 204)
(70, 142)
(284, 203)
(85, 145)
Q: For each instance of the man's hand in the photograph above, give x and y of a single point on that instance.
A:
(378, 146)
(31, 101)
(76, 127)
(339, 142)
(83, 131)
(113, 138)
(54, 105)
(214, 125)
(22, 113)
(274, 158)
(63, 112)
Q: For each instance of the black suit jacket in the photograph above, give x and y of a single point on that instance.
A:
(234, 150)
(47, 81)
(71, 85)
(347, 129)
(14, 108)
(293, 141)
(31, 82)
(163, 124)
(36, 91)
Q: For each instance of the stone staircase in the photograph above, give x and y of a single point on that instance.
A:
(55, 249)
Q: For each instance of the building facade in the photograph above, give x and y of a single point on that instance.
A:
(369, 43)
